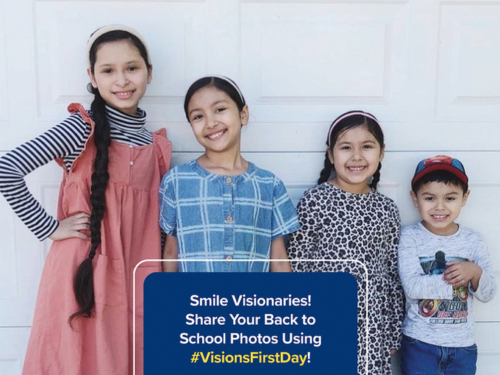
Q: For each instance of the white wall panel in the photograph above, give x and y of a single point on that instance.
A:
(488, 343)
(17, 91)
(8, 275)
(300, 60)
(12, 351)
(3, 69)
(469, 60)
(439, 61)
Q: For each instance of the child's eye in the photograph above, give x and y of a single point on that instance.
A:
(196, 117)
(451, 199)
(368, 146)
(107, 71)
(221, 109)
(430, 199)
(345, 148)
(132, 68)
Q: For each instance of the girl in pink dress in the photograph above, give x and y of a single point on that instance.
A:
(107, 219)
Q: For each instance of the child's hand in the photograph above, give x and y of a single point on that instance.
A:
(72, 227)
(460, 274)
(278, 251)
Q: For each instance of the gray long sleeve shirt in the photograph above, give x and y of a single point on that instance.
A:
(436, 313)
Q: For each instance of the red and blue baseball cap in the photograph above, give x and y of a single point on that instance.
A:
(440, 163)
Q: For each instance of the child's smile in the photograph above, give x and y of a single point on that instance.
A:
(217, 135)
(439, 217)
(357, 169)
(124, 95)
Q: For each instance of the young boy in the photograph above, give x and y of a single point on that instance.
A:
(442, 267)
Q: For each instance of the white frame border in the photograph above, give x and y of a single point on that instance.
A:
(249, 260)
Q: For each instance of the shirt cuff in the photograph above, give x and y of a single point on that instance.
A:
(52, 228)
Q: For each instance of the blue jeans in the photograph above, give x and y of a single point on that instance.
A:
(420, 358)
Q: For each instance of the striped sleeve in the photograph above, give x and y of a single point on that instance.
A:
(66, 141)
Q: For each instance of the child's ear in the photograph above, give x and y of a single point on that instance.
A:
(465, 197)
(150, 74)
(330, 154)
(92, 78)
(244, 114)
(382, 153)
(414, 198)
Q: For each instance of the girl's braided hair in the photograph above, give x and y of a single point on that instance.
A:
(83, 284)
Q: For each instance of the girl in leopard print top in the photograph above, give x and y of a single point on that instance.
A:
(345, 218)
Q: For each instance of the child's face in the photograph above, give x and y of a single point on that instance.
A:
(355, 156)
(216, 120)
(439, 205)
(121, 75)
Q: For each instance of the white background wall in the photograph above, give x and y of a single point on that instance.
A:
(428, 69)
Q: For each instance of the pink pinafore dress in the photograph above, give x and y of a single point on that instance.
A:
(103, 344)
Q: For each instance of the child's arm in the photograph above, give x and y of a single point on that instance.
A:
(477, 272)
(304, 242)
(278, 251)
(168, 220)
(170, 252)
(416, 284)
(65, 139)
(395, 292)
(284, 221)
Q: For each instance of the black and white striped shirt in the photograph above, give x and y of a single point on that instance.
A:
(65, 141)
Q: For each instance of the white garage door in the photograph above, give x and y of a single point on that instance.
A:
(428, 69)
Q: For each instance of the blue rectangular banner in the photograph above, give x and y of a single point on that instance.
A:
(248, 323)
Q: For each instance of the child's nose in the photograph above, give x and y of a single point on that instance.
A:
(212, 122)
(122, 79)
(440, 204)
(356, 153)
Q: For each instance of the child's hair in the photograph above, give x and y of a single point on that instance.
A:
(440, 176)
(343, 123)
(440, 168)
(219, 82)
(83, 282)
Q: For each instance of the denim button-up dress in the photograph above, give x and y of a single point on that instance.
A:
(225, 223)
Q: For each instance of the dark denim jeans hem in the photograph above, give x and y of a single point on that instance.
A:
(420, 358)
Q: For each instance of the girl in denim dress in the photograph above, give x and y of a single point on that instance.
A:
(221, 212)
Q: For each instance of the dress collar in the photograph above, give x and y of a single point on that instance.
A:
(245, 176)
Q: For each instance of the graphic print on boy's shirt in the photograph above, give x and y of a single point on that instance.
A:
(443, 311)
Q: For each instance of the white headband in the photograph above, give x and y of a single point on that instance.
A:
(349, 114)
(115, 27)
(231, 82)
